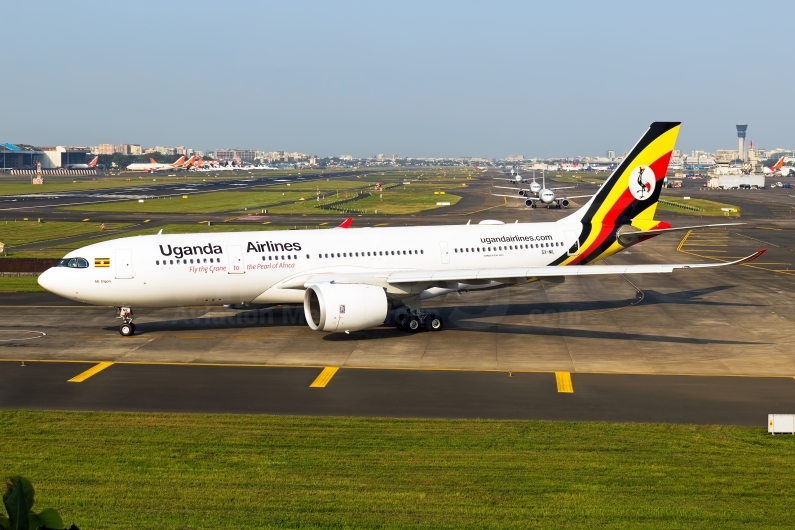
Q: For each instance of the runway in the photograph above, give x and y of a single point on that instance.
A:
(396, 393)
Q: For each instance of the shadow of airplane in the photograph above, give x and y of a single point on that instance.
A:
(293, 316)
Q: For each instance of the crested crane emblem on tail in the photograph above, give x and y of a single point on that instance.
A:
(641, 182)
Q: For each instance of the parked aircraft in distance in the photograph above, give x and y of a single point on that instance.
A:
(350, 279)
(90, 165)
(153, 166)
(775, 168)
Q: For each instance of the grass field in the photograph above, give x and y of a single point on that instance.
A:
(132, 471)
(406, 200)
(704, 207)
(220, 201)
(23, 284)
(61, 184)
(14, 233)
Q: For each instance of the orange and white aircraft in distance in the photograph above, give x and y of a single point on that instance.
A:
(153, 166)
(350, 279)
(775, 168)
(90, 165)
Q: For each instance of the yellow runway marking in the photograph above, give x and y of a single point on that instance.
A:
(324, 377)
(382, 224)
(94, 370)
(563, 379)
(147, 220)
(266, 223)
(321, 224)
(84, 220)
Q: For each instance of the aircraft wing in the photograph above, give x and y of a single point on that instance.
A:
(630, 237)
(431, 278)
(566, 188)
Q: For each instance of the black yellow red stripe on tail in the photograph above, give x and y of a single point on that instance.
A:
(628, 196)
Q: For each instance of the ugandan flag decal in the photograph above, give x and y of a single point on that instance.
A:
(101, 262)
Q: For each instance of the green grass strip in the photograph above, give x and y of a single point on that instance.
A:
(170, 471)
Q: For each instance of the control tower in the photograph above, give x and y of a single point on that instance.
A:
(741, 142)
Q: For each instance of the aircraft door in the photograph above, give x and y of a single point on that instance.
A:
(573, 241)
(445, 251)
(235, 260)
(124, 267)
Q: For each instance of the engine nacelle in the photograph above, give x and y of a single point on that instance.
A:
(529, 202)
(344, 307)
(564, 203)
(521, 193)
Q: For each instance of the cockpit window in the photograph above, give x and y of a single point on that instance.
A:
(73, 263)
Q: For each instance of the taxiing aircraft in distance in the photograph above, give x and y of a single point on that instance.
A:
(540, 193)
(350, 279)
(90, 165)
(153, 166)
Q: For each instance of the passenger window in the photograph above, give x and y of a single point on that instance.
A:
(172, 261)
(422, 252)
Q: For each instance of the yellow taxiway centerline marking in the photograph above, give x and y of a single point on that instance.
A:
(563, 379)
(147, 220)
(94, 370)
(381, 224)
(266, 223)
(84, 220)
(325, 376)
(321, 224)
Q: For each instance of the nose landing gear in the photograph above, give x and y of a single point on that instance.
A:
(127, 328)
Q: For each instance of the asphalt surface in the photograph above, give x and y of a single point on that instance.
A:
(396, 393)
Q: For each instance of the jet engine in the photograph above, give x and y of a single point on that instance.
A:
(564, 203)
(344, 307)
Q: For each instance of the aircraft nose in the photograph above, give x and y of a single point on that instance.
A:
(47, 279)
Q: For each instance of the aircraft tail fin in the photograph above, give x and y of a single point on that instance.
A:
(152, 160)
(179, 161)
(628, 197)
(93, 162)
(630, 194)
(780, 163)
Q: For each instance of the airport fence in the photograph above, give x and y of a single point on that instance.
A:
(682, 206)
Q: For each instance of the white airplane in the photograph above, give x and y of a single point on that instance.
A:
(516, 178)
(779, 168)
(348, 279)
(540, 193)
(153, 166)
(90, 165)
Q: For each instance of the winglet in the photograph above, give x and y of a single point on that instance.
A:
(346, 223)
(752, 257)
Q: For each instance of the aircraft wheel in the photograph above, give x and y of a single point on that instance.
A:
(433, 323)
(127, 330)
(413, 325)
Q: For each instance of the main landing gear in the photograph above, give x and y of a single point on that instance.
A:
(127, 328)
(414, 321)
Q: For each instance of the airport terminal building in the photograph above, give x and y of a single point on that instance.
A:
(22, 156)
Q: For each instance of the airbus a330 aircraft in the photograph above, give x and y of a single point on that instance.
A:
(348, 279)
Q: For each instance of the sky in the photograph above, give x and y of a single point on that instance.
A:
(418, 79)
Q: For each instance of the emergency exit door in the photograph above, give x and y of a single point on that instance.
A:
(235, 260)
(445, 251)
(124, 268)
